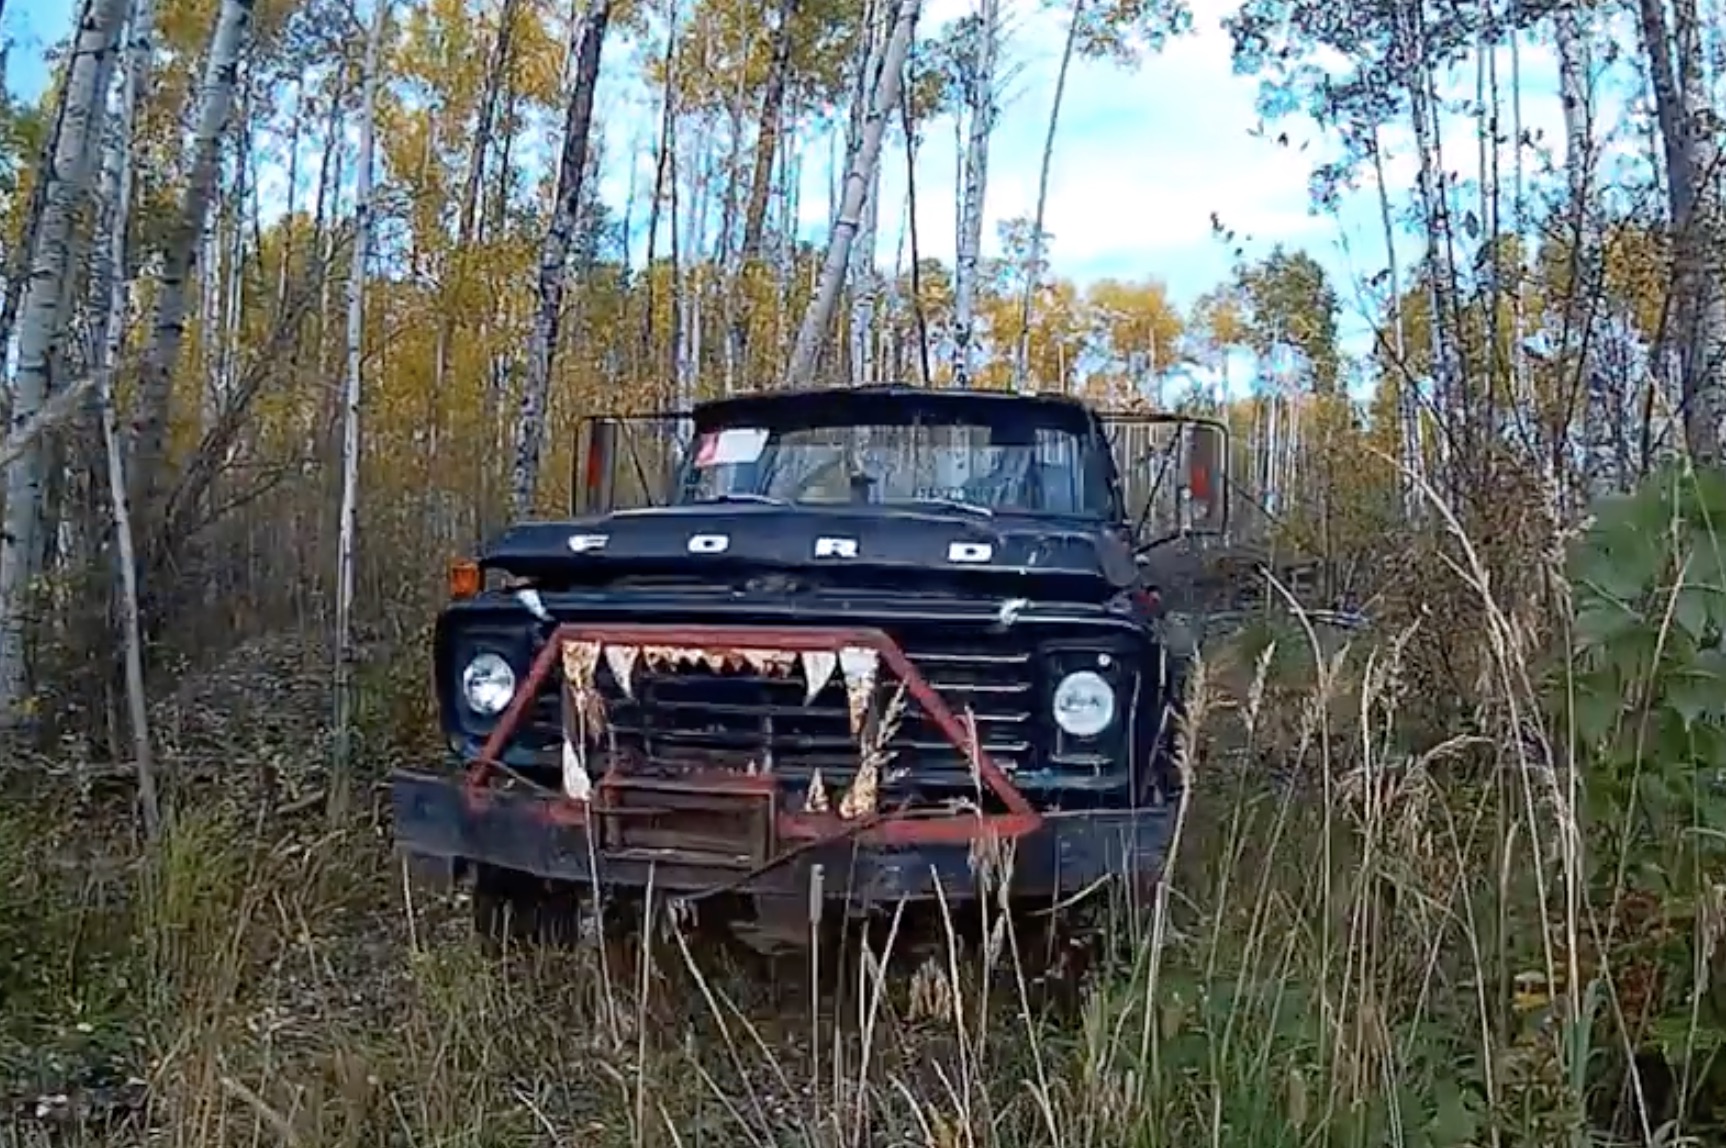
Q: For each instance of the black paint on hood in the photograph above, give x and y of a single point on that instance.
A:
(871, 544)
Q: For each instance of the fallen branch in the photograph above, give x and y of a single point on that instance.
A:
(58, 409)
(300, 804)
(279, 1124)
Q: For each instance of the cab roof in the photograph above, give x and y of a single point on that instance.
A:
(842, 405)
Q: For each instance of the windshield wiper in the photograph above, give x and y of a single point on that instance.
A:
(744, 496)
(955, 504)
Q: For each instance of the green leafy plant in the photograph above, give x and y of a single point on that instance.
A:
(1643, 694)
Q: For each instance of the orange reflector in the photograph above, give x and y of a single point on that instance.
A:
(464, 579)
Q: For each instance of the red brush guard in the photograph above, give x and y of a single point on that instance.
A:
(730, 808)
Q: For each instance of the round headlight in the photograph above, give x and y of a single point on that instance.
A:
(487, 685)
(1084, 704)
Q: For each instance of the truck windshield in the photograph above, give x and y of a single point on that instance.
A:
(983, 466)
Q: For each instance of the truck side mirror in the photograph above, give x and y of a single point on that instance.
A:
(1207, 477)
(595, 472)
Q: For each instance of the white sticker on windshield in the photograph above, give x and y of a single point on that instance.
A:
(731, 445)
(835, 548)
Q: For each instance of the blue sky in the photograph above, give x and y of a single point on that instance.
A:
(32, 27)
(1145, 155)
(1143, 158)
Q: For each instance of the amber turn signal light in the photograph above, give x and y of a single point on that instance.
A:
(464, 579)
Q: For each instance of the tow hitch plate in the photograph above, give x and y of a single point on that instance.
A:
(719, 820)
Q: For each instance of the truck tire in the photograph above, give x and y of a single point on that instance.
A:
(502, 909)
(512, 909)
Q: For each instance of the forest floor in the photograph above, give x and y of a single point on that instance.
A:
(263, 979)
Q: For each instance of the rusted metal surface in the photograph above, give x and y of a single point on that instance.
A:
(731, 817)
(518, 830)
(716, 819)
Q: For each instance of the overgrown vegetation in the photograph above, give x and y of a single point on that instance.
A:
(1455, 878)
(1376, 931)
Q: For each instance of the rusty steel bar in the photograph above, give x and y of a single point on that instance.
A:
(957, 828)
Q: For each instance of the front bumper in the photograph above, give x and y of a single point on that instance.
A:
(440, 817)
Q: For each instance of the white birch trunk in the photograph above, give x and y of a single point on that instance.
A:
(234, 254)
(1022, 352)
(1522, 378)
(785, 253)
(1691, 131)
(209, 313)
(791, 182)
(662, 170)
(457, 271)
(981, 100)
(286, 259)
(156, 389)
(328, 206)
(494, 320)
(686, 258)
(865, 283)
(1407, 400)
(139, 46)
(1451, 403)
(771, 139)
(1601, 421)
(702, 165)
(554, 256)
(1272, 496)
(866, 288)
(341, 764)
(40, 333)
(883, 100)
(836, 167)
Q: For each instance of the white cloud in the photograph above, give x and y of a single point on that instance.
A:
(1539, 109)
(1143, 158)
(1622, 156)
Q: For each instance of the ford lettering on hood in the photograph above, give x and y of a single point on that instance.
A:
(868, 542)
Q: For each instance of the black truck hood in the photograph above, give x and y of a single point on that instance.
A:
(720, 541)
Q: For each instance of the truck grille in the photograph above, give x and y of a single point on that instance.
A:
(695, 716)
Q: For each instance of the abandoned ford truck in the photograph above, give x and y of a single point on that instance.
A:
(814, 648)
